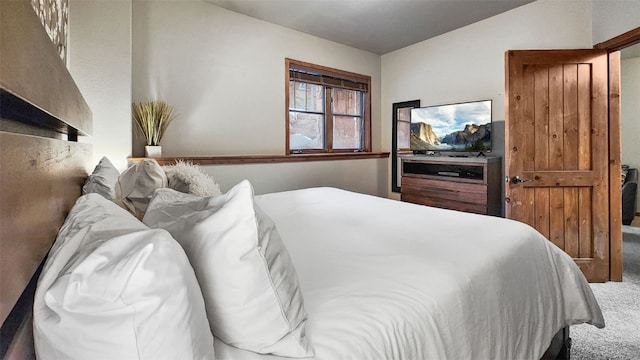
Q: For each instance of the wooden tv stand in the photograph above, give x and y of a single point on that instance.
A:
(459, 183)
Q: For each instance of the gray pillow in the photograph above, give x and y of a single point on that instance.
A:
(102, 180)
(136, 186)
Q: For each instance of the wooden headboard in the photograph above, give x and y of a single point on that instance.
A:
(42, 165)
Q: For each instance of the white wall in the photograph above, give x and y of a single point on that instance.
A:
(468, 64)
(612, 18)
(630, 127)
(224, 73)
(99, 59)
(201, 57)
(365, 176)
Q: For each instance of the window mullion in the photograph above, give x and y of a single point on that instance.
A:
(306, 112)
(328, 123)
(362, 124)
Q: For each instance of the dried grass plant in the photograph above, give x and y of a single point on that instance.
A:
(153, 118)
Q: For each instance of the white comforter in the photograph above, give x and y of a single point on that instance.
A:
(383, 279)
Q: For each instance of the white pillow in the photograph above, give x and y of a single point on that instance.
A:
(249, 284)
(136, 185)
(112, 288)
(102, 180)
(188, 178)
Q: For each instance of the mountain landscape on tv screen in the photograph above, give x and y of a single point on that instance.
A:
(452, 127)
(472, 138)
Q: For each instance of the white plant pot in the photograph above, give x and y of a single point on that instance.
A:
(152, 151)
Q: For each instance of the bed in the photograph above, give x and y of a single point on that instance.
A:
(380, 279)
(319, 273)
(403, 281)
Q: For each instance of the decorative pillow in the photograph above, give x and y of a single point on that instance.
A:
(136, 185)
(112, 288)
(188, 178)
(249, 284)
(102, 180)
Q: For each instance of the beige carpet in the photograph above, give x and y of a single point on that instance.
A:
(620, 304)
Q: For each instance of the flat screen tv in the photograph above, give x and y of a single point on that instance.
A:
(462, 127)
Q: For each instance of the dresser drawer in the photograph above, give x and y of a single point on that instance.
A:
(443, 190)
(446, 204)
(471, 185)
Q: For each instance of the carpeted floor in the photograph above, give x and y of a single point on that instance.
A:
(620, 304)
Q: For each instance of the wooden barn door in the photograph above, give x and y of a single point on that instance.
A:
(557, 150)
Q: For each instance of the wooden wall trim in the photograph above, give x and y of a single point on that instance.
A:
(264, 159)
(327, 70)
(627, 39)
(613, 46)
(615, 171)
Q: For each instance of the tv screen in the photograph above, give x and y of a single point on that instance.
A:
(452, 127)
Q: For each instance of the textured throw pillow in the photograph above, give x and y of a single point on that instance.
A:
(102, 180)
(112, 288)
(136, 185)
(249, 284)
(188, 178)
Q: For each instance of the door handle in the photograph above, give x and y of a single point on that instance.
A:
(516, 180)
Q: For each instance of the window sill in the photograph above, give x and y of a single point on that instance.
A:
(264, 159)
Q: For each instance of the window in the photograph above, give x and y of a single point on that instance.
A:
(328, 110)
(400, 142)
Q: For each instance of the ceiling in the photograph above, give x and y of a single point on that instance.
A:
(377, 26)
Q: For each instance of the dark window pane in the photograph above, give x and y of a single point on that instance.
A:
(346, 102)
(347, 132)
(306, 131)
(306, 97)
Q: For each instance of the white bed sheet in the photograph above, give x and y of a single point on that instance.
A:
(383, 279)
